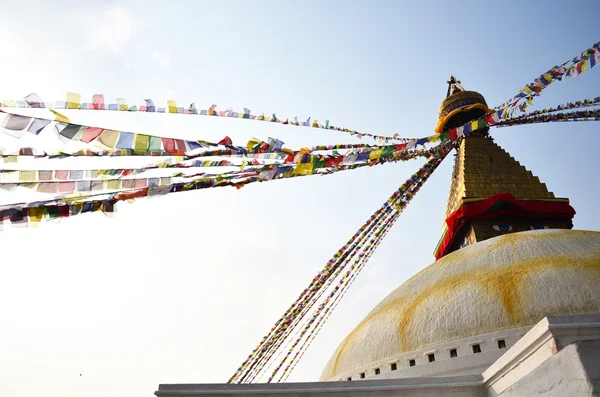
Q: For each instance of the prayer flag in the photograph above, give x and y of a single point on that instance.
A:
(141, 143)
(90, 133)
(226, 141)
(125, 140)
(172, 106)
(122, 104)
(61, 174)
(59, 117)
(73, 100)
(375, 154)
(109, 138)
(70, 131)
(155, 144)
(34, 101)
(595, 59)
(169, 145)
(98, 102)
(150, 105)
(38, 125)
(15, 125)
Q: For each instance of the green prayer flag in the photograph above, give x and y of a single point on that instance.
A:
(155, 145)
(387, 152)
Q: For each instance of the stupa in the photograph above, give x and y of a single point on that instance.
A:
(506, 259)
(510, 307)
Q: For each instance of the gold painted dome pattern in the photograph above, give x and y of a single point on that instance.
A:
(506, 282)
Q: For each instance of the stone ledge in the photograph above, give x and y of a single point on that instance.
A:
(467, 386)
(544, 340)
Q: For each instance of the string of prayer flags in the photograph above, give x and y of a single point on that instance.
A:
(73, 101)
(581, 115)
(567, 106)
(107, 140)
(571, 68)
(348, 279)
(88, 182)
(264, 352)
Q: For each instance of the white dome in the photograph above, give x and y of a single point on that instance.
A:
(503, 283)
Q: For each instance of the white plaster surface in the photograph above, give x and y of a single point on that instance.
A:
(467, 362)
(504, 283)
(541, 343)
(558, 357)
(573, 371)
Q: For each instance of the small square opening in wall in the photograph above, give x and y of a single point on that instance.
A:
(412, 362)
(362, 375)
(453, 353)
(501, 344)
(349, 378)
(377, 371)
(476, 348)
(393, 366)
(431, 357)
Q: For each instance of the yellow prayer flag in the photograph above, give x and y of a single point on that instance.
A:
(27, 176)
(434, 138)
(30, 185)
(375, 154)
(109, 138)
(303, 169)
(113, 184)
(59, 117)
(9, 103)
(172, 106)
(140, 144)
(36, 214)
(252, 142)
(73, 100)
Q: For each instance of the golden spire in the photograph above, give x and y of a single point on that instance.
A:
(482, 171)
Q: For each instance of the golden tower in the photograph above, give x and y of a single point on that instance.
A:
(491, 193)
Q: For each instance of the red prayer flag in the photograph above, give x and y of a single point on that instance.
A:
(226, 141)
(400, 147)
(62, 174)
(98, 102)
(90, 133)
(66, 187)
(169, 145)
(63, 210)
(132, 194)
(180, 144)
(333, 161)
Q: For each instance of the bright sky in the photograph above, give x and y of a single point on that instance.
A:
(181, 288)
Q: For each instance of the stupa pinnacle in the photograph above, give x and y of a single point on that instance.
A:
(491, 193)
